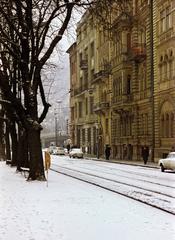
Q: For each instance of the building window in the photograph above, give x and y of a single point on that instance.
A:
(168, 17)
(92, 49)
(91, 105)
(107, 126)
(86, 106)
(128, 42)
(146, 124)
(143, 124)
(72, 113)
(75, 110)
(167, 125)
(80, 109)
(161, 68)
(162, 126)
(83, 136)
(165, 19)
(129, 84)
(160, 72)
(172, 125)
(170, 69)
(165, 71)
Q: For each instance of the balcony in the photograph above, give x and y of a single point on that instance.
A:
(81, 89)
(101, 75)
(123, 99)
(84, 64)
(101, 107)
(138, 52)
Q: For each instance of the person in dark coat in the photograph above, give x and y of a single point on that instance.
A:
(107, 152)
(68, 147)
(145, 154)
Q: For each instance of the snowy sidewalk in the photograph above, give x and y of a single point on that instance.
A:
(72, 210)
(136, 163)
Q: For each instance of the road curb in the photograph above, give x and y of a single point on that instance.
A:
(125, 163)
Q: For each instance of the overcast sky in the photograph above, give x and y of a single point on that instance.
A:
(57, 83)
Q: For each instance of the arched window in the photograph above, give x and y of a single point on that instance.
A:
(172, 125)
(160, 72)
(128, 41)
(167, 125)
(161, 68)
(162, 126)
(165, 71)
(121, 126)
(170, 69)
(128, 85)
(165, 67)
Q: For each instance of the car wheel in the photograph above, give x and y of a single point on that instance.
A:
(162, 168)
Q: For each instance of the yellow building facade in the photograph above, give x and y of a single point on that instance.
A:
(124, 89)
(164, 86)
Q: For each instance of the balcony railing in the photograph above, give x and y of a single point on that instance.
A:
(100, 106)
(100, 75)
(125, 98)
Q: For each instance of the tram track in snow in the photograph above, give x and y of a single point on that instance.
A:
(157, 199)
(135, 173)
(116, 174)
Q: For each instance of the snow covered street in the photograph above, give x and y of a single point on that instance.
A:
(69, 209)
(141, 183)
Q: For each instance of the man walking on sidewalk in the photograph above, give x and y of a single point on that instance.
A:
(145, 154)
(107, 152)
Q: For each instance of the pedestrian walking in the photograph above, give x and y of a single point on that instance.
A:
(145, 154)
(68, 148)
(107, 152)
(172, 149)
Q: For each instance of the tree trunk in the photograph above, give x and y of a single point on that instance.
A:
(22, 154)
(2, 149)
(36, 157)
(14, 143)
(7, 142)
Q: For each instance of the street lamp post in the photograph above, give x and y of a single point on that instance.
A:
(56, 129)
(56, 121)
(97, 139)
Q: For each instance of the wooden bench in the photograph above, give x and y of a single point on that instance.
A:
(25, 171)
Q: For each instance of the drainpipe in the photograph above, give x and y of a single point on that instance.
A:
(152, 78)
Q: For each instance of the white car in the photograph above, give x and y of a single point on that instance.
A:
(168, 162)
(76, 153)
(59, 151)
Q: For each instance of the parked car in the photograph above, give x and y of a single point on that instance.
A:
(52, 149)
(76, 153)
(168, 162)
(59, 151)
(65, 151)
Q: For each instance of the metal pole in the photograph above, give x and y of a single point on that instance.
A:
(97, 140)
(56, 140)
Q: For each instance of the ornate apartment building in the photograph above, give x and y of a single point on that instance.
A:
(82, 67)
(164, 85)
(123, 82)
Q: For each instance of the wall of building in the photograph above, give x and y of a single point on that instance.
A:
(130, 77)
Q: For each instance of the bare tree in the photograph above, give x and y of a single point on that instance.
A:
(30, 31)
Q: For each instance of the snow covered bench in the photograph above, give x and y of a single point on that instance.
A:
(25, 171)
